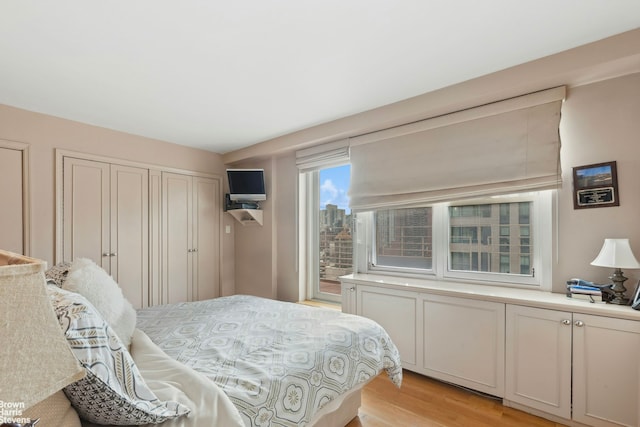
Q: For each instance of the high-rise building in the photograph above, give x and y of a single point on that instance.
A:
(336, 248)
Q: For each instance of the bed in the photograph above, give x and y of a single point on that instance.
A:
(278, 362)
(231, 361)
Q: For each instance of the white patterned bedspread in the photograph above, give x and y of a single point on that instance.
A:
(279, 362)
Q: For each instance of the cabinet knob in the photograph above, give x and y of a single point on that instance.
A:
(352, 289)
(105, 254)
(113, 254)
(566, 322)
(579, 323)
(189, 250)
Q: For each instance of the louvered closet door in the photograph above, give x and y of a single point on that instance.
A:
(11, 213)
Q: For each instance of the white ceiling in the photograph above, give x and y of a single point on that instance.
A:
(225, 75)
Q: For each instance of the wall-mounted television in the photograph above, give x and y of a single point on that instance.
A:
(246, 185)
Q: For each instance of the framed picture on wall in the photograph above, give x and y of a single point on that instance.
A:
(595, 186)
(635, 299)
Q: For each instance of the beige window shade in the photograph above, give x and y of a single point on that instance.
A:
(504, 147)
(320, 156)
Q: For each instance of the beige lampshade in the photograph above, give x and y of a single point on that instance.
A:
(35, 359)
(616, 253)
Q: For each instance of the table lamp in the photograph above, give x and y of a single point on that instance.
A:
(617, 254)
(35, 358)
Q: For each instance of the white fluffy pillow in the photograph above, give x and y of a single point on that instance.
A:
(92, 282)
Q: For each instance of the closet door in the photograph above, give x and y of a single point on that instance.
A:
(86, 202)
(177, 244)
(190, 237)
(11, 194)
(206, 237)
(106, 219)
(129, 227)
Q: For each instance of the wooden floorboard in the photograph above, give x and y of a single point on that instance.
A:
(424, 402)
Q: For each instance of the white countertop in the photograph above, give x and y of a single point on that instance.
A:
(504, 294)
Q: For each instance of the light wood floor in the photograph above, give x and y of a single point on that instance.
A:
(425, 402)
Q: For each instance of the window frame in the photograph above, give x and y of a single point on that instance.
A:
(373, 266)
(309, 231)
(541, 214)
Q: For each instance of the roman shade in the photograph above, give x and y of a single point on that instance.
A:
(324, 155)
(499, 148)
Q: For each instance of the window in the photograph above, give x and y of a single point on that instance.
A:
(336, 248)
(492, 240)
(403, 238)
(329, 247)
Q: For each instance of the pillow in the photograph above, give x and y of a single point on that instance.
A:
(91, 281)
(113, 391)
(58, 273)
(56, 410)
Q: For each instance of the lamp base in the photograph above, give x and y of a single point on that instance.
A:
(618, 288)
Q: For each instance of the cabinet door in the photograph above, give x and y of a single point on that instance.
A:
(177, 277)
(129, 243)
(464, 342)
(538, 359)
(396, 312)
(348, 291)
(206, 238)
(11, 193)
(86, 201)
(606, 371)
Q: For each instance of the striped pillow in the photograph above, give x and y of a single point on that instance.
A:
(113, 390)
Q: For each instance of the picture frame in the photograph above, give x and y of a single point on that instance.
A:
(635, 299)
(595, 186)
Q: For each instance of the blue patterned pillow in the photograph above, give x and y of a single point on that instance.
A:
(113, 390)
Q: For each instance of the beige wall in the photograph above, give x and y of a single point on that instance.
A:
(45, 134)
(286, 175)
(255, 245)
(268, 254)
(600, 123)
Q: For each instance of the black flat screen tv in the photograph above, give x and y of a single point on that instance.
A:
(246, 185)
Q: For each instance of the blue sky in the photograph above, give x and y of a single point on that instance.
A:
(334, 185)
